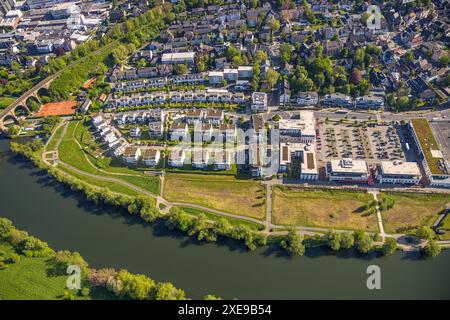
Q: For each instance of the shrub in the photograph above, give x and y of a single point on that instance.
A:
(14, 258)
(85, 292)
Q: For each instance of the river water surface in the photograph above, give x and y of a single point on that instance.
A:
(108, 237)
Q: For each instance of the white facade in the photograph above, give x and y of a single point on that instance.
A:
(131, 155)
(259, 102)
(396, 172)
(151, 157)
(307, 99)
(178, 57)
(348, 170)
(176, 159)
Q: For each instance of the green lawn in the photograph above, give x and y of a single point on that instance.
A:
(114, 187)
(412, 210)
(225, 193)
(6, 101)
(322, 208)
(51, 146)
(28, 279)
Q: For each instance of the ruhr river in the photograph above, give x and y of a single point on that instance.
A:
(107, 237)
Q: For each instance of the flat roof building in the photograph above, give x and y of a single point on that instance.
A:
(299, 159)
(178, 57)
(301, 130)
(259, 102)
(348, 170)
(398, 172)
(435, 166)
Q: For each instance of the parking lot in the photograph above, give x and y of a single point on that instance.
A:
(372, 142)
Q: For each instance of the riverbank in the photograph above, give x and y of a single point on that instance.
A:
(152, 207)
(30, 270)
(110, 237)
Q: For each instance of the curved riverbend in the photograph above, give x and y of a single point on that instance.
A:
(108, 237)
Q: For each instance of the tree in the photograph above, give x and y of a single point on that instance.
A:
(402, 103)
(260, 56)
(5, 227)
(167, 291)
(135, 286)
(377, 237)
(286, 52)
(63, 259)
(271, 77)
(389, 246)
(333, 240)
(363, 241)
(274, 25)
(358, 58)
(444, 60)
(355, 76)
(432, 249)
(120, 55)
(181, 68)
(293, 243)
(211, 297)
(426, 233)
(347, 240)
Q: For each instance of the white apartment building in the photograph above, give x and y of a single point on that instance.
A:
(259, 102)
(151, 157)
(302, 130)
(307, 98)
(177, 158)
(131, 155)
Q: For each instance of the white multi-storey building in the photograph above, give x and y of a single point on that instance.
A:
(398, 172)
(348, 170)
(259, 102)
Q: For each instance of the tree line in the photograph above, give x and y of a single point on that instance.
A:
(121, 284)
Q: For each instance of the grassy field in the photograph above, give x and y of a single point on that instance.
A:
(445, 226)
(28, 279)
(70, 153)
(243, 197)
(215, 217)
(413, 210)
(114, 187)
(6, 101)
(51, 146)
(337, 209)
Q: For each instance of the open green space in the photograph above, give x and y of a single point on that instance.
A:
(51, 146)
(6, 101)
(323, 208)
(412, 210)
(225, 193)
(445, 226)
(29, 279)
(215, 217)
(114, 187)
